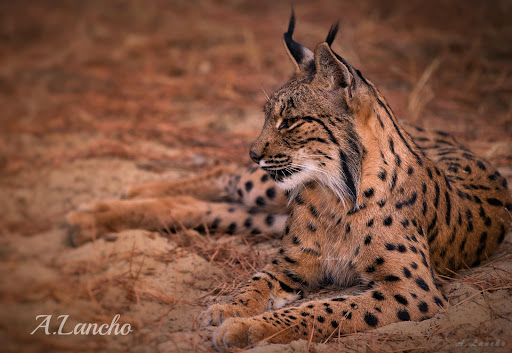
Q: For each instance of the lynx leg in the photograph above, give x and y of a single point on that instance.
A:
(96, 219)
(399, 290)
(321, 320)
(251, 187)
(215, 185)
(296, 268)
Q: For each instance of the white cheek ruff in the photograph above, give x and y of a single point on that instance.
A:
(296, 180)
(331, 179)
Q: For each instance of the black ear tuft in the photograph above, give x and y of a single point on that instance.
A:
(291, 25)
(300, 56)
(332, 32)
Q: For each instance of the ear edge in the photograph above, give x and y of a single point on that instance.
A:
(323, 52)
(290, 55)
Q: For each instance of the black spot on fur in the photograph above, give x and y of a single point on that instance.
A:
(271, 193)
(422, 284)
(370, 319)
(494, 202)
(387, 221)
(393, 180)
(390, 246)
(481, 246)
(232, 228)
(403, 315)
(368, 192)
(299, 200)
(248, 222)
(295, 278)
(290, 260)
(260, 201)
(349, 178)
(406, 272)
(378, 295)
(448, 207)
(424, 259)
(313, 211)
(391, 278)
(411, 201)
(215, 223)
(401, 299)
(338, 299)
(480, 165)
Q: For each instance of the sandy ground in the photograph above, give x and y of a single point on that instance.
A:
(98, 96)
(159, 283)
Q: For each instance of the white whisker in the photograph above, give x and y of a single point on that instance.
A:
(266, 95)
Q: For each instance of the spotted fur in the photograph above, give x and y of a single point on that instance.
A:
(357, 196)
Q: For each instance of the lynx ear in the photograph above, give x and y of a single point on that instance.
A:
(331, 70)
(301, 57)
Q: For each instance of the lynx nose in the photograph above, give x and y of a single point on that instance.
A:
(255, 157)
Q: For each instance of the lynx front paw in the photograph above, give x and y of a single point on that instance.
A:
(217, 313)
(83, 224)
(81, 228)
(241, 332)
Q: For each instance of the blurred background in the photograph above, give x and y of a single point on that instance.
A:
(103, 78)
(97, 94)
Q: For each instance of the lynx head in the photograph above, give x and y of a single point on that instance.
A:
(310, 123)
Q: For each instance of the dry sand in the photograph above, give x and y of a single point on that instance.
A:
(159, 283)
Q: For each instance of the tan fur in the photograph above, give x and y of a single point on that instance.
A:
(367, 201)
